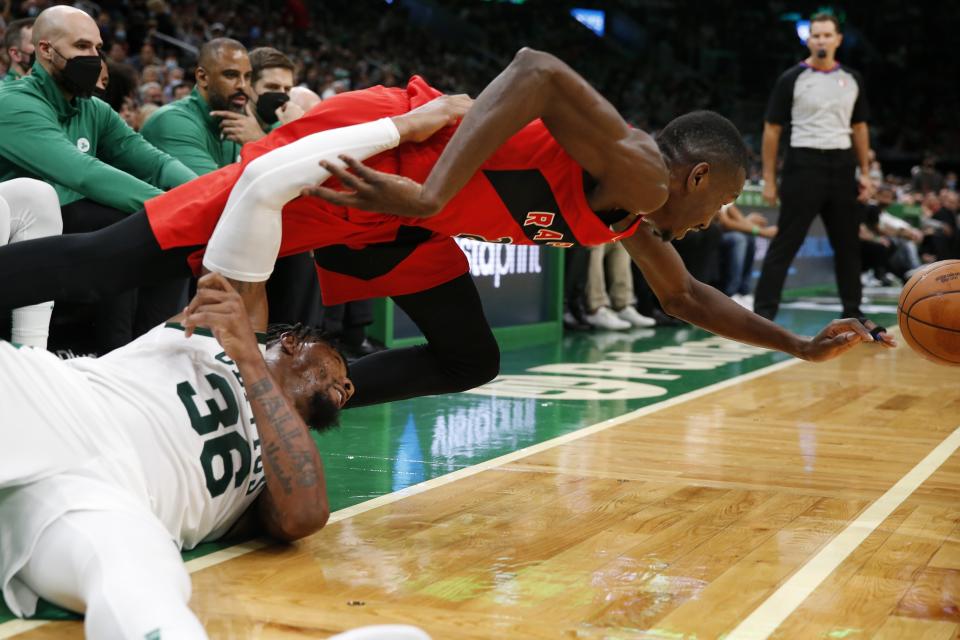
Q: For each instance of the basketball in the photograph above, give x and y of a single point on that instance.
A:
(929, 312)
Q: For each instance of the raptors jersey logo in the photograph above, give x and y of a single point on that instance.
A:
(530, 200)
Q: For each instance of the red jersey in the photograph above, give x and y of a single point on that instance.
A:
(528, 192)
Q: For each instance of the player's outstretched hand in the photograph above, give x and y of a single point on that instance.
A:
(840, 336)
(424, 121)
(371, 190)
(220, 308)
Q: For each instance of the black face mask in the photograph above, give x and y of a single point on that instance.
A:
(268, 103)
(79, 76)
(28, 63)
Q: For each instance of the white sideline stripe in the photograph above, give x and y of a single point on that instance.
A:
(780, 604)
(9, 629)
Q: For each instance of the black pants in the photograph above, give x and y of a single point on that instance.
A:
(815, 182)
(117, 319)
(293, 291)
(461, 352)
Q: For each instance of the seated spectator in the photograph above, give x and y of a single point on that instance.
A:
(738, 247)
(939, 225)
(186, 129)
(102, 171)
(151, 93)
(609, 293)
(18, 44)
(304, 98)
(272, 80)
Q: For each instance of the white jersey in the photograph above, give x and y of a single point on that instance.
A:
(181, 403)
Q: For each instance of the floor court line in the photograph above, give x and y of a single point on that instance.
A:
(9, 629)
(766, 618)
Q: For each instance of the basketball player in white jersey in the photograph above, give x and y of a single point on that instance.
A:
(110, 466)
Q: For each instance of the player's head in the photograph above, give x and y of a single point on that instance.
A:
(273, 76)
(311, 372)
(223, 74)
(67, 43)
(707, 159)
(825, 36)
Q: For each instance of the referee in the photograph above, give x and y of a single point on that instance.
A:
(823, 103)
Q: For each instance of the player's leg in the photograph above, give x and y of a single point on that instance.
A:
(33, 212)
(120, 569)
(841, 217)
(84, 267)
(461, 352)
(801, 196)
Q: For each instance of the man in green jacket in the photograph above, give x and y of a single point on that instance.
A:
(18, 43)
(186, 129)
(51, 129)
(206, 131)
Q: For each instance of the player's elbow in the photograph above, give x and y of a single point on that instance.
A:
(302, 523)
(678, 305)
(536, 64)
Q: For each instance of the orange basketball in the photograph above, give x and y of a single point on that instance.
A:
(929, 312)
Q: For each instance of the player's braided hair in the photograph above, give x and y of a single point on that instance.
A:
(304, 333)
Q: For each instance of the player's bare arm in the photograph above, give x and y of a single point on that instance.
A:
(294, 503)
(626, 163)
(686, 298)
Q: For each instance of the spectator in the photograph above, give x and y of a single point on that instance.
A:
(151, 92)
(304, 98)
(18, 43)
(738, 247)
(940, 226)
(272, 79)
(610, 297)
(926, 178)
(180, 91)
(102, 171)
(186, 129)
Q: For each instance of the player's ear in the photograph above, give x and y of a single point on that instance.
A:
(288, 342)
(698, 177)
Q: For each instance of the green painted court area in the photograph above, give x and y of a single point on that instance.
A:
(543, 392)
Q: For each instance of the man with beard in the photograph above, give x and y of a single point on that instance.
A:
(188, 129)
(18, 42)
(51, 129)
(193, 432)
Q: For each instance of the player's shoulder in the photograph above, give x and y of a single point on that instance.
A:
(177, 115)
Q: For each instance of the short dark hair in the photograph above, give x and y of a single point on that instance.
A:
(703, 136)
(12, 38)
(823, 16)
(268, 58)
(323, 414)
(212, 48)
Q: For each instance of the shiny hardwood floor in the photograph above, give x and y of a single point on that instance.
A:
(675, 525)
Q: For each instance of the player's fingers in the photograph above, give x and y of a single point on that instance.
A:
(226, 115)
(204, 297)
(213, 280)
(346, 178)
(342, 198)
(852, 324)
(359, 168)
(210, 318)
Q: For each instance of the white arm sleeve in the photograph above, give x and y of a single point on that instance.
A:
(246, 241)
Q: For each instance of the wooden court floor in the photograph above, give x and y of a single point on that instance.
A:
(679, 523)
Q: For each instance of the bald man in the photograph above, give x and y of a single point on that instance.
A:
(304, 98)
(51, 129)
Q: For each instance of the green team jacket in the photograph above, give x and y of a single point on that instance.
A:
(186, 130)
(10, 76)
(82, 147)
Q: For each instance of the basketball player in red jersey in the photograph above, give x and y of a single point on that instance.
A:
(540, 157)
